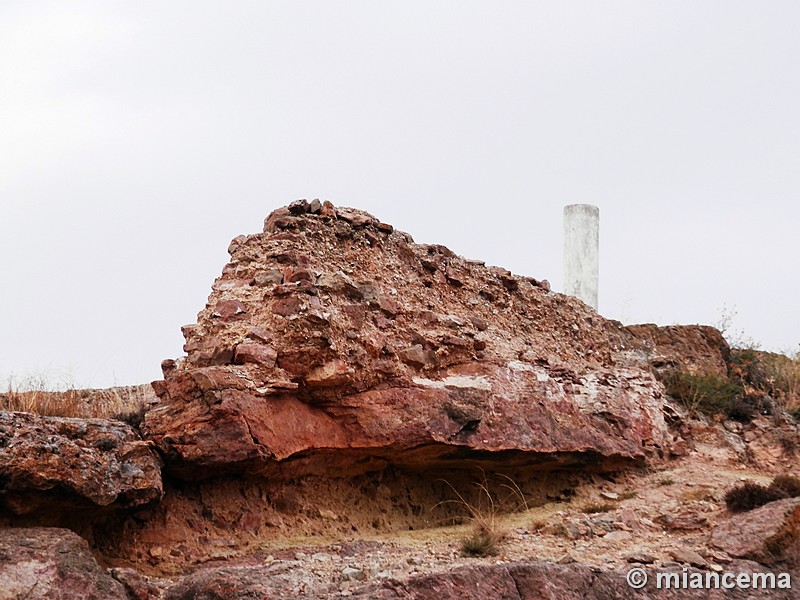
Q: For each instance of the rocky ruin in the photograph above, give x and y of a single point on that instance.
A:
(350, 406)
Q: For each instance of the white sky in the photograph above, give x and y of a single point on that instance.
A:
(138, 138)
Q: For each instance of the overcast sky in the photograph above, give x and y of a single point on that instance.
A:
(138, 138)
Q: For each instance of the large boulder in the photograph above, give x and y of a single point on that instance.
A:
(695, 349)
(333, 343)
(43, 563)
(62, 463)
(769, 534)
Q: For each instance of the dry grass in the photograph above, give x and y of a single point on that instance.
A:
(750, 495)
(38, 394)
(485, 536)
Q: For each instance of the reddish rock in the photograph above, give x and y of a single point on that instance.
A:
(327, 209)
(268, 278)
(539, 580)
(769, 534)
(416, 356)
(697, 349)
(379, 356)
(228, 309)
(255, 353)
(509, 581)
(43, 563)
(48, 462)
(232, 583)
(138, 586)
(299, 207)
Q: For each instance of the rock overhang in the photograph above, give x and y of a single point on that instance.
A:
(331, 332)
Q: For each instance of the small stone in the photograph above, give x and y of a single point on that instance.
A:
(454, 277)
(300, 556)
(301, 275)
(235, 243)
(480, 324)
(416, 356)
(256, 354)
(299, 207)
(567, 559)
(354, 574)
(259, 334)
(328, 514)
(609, 495)
(228, 309)
(315, 206)
(688, 556)
(265, 278)
(641, 557)
(327, 209)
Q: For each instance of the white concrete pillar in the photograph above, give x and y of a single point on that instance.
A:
(581, 252)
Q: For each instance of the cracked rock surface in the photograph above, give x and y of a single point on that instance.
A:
(331, 343)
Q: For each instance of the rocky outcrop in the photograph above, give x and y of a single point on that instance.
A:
(535, 580)
(333, 343)
(696, 349)
(43, 563)
(769, 534)
(63, 463)
(511, 581)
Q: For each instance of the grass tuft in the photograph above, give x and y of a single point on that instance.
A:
(483, 541)
(485, 537)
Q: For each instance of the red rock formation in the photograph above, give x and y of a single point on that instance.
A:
(697, 349)
(332, 342)
(511, 581)
(769, 534)
(47, 563)
(63, 463)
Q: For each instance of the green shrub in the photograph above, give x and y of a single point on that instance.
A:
(707, 394)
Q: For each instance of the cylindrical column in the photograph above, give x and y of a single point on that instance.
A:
(581, 252)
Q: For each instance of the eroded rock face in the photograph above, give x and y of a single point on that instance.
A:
(44, 563)
(332, 341)
(64, 463)
(696, 349)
